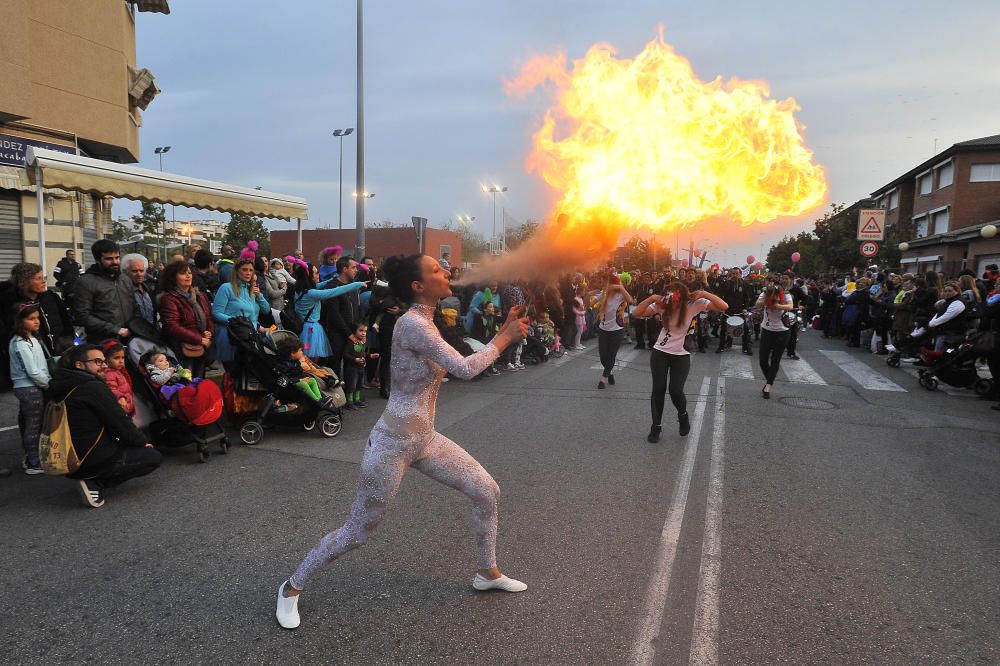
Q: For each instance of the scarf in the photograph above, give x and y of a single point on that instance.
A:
(199, 314)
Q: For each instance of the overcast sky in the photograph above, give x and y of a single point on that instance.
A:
(252, 91)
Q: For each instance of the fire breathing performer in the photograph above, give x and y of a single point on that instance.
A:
(670, 362)
(405, 437)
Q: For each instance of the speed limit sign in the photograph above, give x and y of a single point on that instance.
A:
(869, 249)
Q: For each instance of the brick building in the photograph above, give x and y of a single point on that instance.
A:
(379, 243)
(939, 207)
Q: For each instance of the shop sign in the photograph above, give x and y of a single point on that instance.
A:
(13, 149)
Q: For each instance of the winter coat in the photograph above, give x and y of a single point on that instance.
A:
(56, 332)
(95, 419)
(179, 323)
(273, 291)
(101, 304)
(120, 384)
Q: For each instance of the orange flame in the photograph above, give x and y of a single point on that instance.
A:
(642, 143)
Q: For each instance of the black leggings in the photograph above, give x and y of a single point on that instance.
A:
(676, 367)
(772, 344)
(608, 343)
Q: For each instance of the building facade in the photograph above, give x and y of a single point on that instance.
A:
(380, 243)
(68, 82)
(940, 206)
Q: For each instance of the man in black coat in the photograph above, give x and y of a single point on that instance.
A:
(342, 314)
(113, 450)
(66, 272)
(737, 294)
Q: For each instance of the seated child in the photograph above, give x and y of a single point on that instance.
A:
(290, 357)
(546, 330)
(117, 376)
(161, 372)
(355, 353)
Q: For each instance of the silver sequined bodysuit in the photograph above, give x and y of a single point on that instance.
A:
(405, 437)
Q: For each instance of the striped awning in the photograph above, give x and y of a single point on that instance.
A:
(102, 178)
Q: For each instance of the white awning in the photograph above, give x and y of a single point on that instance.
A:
(103, 178)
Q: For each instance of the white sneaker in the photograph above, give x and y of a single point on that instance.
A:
(502, 583)
(519, 366)
(512, 367)
(91, 497)
(581, 348)
(288, 609)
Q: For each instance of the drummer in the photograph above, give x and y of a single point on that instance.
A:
(735, 291)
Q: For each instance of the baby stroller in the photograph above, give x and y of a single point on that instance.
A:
(260, 374)
(534, 350)
(911, 346)
(955, 366)
(192, 415)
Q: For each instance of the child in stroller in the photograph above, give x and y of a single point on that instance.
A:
(174, 414)
(261, 371)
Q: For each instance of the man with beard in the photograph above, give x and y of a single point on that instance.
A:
(101, 302)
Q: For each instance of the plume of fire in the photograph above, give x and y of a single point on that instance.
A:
(643, 144)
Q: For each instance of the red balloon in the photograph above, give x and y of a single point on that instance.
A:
(751, 259)
(795, 257)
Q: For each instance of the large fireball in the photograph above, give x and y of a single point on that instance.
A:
(642, 143)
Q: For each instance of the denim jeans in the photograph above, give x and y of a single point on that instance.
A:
(32, 403)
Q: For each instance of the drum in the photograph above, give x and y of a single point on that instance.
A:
(734, 326)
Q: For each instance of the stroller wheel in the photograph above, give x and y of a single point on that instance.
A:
(251, 433)
(330, 425)
(224, 445)
(892, 360)
(928, 381)
(204, 455)
(983, 386)
(309, 425)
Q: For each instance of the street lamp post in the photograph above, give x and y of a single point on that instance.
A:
(340, 134)
(360, 198)
(161, 151)
(359, 209)
(494, 190)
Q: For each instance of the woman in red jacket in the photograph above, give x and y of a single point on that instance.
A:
(186, 317)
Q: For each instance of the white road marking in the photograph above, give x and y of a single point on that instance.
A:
(736, 364)
(5, 429)
(705, 635)
(644, 650)
(801, 372)
(861, 373)
(623, 359)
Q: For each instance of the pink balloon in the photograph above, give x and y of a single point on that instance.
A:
(758, 265)
(751, 259)
(795, 257)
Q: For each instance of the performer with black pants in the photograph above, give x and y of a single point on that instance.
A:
(733, 291)
(773, 332)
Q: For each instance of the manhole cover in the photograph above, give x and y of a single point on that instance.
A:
(807, 403)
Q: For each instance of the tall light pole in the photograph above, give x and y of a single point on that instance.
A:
(359, 209)
(340, 134)
(360, 197)
(494, 190)
(161, 151)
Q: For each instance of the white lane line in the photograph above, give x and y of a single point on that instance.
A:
(736, 364)
(644, 650)
(705, 635)
(801, 372)
(623, 359)
(861, 373)
(5, 429)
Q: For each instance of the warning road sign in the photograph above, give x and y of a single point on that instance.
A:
(871, 224)
(869, 249)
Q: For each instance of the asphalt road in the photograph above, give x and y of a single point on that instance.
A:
(861, 525)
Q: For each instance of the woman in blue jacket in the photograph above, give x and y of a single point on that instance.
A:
(240, 297)
(308, 298)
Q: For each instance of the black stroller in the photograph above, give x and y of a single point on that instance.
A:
(259, 372)
(956, 366)
(164, 423)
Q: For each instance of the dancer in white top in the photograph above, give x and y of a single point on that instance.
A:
(773, 332)
(405, 437)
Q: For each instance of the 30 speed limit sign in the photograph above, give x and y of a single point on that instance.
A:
(869, 249)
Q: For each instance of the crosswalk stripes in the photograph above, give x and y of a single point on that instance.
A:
(860, 372)
(800, 372)
(736, 365)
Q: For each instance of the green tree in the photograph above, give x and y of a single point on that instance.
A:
(779, 257)
(521, 233)
(121, 231)
(243, 228)
(474, 246)
(150, 219)
(645, 254)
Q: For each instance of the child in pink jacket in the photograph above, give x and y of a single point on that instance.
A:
(117, 376)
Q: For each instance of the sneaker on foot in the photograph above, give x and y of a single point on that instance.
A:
(519, 365)
(92, 497)
(503, 583)
(361, 403)
(288, 609)
(34, 470)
